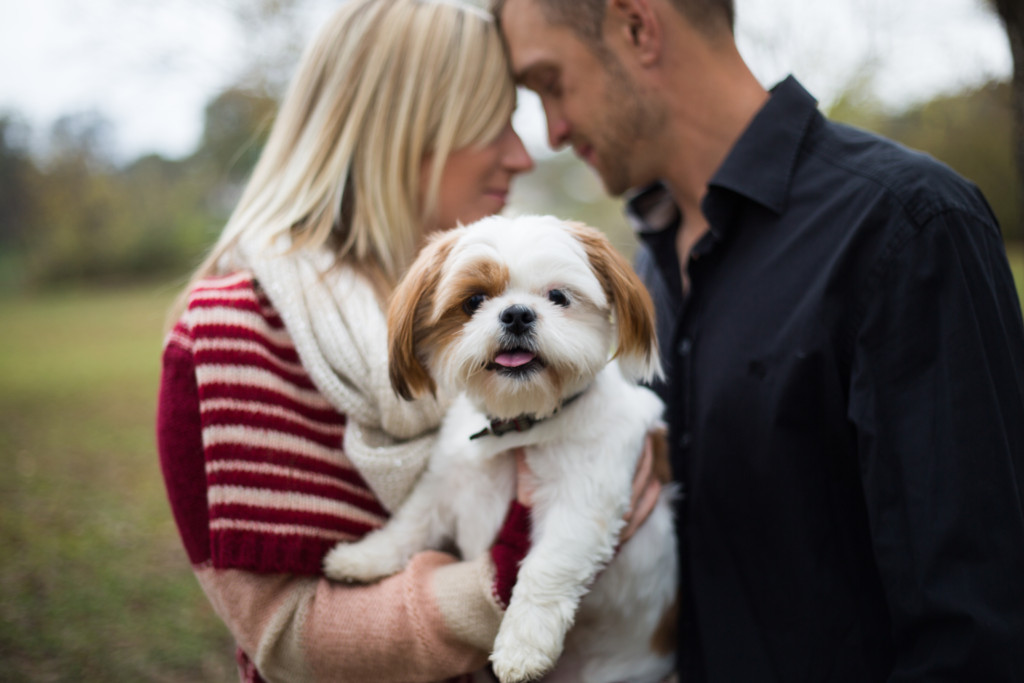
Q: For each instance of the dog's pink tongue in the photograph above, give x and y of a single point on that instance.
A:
(514, 359)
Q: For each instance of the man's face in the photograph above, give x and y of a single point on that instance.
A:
(589, 101)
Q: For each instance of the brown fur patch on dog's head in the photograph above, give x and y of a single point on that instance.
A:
(410, 312)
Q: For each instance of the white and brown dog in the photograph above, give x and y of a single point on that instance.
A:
(521, 317)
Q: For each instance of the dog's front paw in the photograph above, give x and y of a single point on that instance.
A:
(528, 644)
(363, 561)
(518, 663)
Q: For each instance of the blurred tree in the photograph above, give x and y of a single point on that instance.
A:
(70, 213)
(237, 123)
(72, 232)
(83, 138)
(950, 129)
(18, 178)
(1012, 14)
(16, 169)
(84, 219)
(176, 208)
(165, 208)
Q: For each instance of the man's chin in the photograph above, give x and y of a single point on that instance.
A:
(615, 186)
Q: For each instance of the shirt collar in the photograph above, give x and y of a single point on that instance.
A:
(759, 166)
(761, 163)
(651, 209)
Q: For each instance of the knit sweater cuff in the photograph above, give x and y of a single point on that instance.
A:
(467, 604)
(508, 551)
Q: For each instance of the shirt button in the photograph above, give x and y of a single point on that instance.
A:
(685, 346)
(685, 440)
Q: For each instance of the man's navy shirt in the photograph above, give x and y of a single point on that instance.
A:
(845, 397)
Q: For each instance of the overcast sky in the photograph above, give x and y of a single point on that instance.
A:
(150, 67)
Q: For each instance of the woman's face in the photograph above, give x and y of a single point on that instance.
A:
(475, 180)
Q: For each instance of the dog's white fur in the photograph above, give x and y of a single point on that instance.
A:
(583, 455)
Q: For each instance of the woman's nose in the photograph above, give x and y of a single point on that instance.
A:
(516, 158)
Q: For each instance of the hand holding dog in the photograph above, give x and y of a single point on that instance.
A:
(646, 487)
(515, 319)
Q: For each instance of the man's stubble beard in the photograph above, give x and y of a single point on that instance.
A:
(627, 124)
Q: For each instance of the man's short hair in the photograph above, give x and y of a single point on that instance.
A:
(586, 17)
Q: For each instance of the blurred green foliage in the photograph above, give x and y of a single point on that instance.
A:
(971, 131)
(1016, 255)
(70, 215)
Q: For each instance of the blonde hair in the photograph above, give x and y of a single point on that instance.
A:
(385, 85)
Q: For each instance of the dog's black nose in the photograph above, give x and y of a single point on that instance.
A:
(517, 319)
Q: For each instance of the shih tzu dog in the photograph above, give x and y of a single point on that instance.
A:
(520, 317)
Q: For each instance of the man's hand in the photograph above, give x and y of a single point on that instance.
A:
(646, 487)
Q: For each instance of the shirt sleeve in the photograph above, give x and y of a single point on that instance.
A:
(434, 620)
(297, 628)
(937, 402)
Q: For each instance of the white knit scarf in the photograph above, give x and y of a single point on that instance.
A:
(340, 333)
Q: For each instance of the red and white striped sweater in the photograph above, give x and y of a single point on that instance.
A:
(261, 489)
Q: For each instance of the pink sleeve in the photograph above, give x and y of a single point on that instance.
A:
(434, 620)
(306, 629)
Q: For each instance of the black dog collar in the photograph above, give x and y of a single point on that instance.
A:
(500, 427)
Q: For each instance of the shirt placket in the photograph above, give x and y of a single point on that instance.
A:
(685, 346)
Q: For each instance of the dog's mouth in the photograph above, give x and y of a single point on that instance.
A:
(516, 363)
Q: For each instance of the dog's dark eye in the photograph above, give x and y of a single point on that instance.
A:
(472, 303)
(558, 297)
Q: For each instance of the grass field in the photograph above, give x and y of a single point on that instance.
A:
(1016, 254)
(94, 585)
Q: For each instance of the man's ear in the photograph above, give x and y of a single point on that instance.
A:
(634, 26)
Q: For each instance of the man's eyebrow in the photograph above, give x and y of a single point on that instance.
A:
(529, 72)
(520, 75)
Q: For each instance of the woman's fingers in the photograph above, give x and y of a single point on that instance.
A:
(646, 490)
(524, 478)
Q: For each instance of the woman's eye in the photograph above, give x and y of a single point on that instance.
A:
(558, 297)
(472, 303)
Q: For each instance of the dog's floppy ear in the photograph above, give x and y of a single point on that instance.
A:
(637, 349)
(409, 314)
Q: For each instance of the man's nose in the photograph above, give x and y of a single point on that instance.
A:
(558, 126)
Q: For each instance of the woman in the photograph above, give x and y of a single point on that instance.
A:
(278, 430)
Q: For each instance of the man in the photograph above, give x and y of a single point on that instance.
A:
(845, 355)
